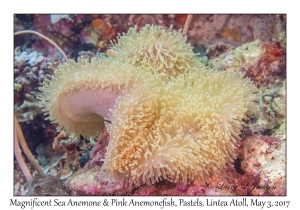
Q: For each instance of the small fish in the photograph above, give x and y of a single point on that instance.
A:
(111, 52)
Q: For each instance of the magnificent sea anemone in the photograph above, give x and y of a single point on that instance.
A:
(195, 133)
(155, 49)
(183, 130)
(80, 94)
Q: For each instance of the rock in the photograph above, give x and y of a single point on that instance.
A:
(42, 185)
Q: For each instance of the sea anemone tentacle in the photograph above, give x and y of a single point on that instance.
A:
(81, 94)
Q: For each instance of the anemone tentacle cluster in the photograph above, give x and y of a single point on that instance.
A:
(181, 127)
(157, 50)
(78, 97)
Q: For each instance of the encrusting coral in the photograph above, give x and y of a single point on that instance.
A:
(183, 130)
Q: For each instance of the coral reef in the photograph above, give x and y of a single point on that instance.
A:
(269, 28)
(183, 131)
(156, 143)
(231, 29)
(29, 109)
(262, 62)
(31, 68)
(247, 54)
(264, 159)
(73, 33)
(271, 117)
